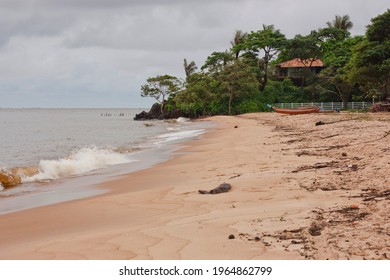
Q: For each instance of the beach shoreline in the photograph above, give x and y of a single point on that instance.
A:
(298, 192)
(47, 175)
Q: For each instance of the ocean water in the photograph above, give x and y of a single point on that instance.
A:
(61, 153)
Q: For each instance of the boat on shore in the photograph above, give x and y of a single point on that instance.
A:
(297, 111)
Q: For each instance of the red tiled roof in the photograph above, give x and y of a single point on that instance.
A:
(297, 62)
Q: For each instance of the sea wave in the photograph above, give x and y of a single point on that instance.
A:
(79, 162)
(182, 120)
(178, 135)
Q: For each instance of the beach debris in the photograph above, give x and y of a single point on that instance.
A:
(256, 239)
(231, 236)
(374, 195)
(319, 123)
(318, 165)
(315, 229)
(330, 136)
(353, 167)
(225, 187)
(347, 214)
(235, 176)
(148, 124)
(344, 154)
(380, 107)
(9, 179)
(236, 126)
(13, 176)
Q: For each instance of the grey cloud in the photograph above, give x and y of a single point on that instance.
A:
(71, 51)
(154, 32)
(52, 18)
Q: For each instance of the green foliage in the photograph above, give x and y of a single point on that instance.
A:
(370, 63)
(238, 42)
(189, 68)
(334, 79)
(283, 91)
(242, 79)
(200, 90)
(307, 48)
(217, 61)
(247, 106)
(379, 29)
(338, 52)
(237, 80)
(160, 88)
(270, 42)
(341, 22)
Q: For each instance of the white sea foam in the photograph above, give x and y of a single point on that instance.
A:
(182, 120)
(173, 136)
(79, 162)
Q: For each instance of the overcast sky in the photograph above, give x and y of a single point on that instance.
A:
(97, 53)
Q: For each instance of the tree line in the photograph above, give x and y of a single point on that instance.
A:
(244, 78)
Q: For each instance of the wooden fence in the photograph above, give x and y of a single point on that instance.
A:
(327, 105)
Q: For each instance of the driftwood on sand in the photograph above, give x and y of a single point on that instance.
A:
(225, 187)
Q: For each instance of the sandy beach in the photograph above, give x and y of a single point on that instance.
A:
(299, 191)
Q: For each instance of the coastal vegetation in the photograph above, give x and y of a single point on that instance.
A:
(244, 79)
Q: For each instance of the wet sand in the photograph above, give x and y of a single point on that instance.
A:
(299, 191)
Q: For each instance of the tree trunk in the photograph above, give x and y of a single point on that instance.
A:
(385, 90)
(162, 103)
(345, 102)
(162, 108)
(265, 79)
(344, 95)
(261, 82)
(230, 104)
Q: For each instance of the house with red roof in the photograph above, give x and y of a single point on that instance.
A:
(297, 69)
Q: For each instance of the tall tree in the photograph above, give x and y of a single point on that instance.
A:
(189, 68)
(216, 62)
(370, 63)
(336, 55)
(200, 92)
(237, 80)
(160, 88)
(334, 81)
(270, 42)
(341, 22)
(238, 42)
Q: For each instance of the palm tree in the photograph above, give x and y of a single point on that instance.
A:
(189, 68)
(341, 22)
(238, 40)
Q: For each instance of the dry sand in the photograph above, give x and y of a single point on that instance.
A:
(299, 191)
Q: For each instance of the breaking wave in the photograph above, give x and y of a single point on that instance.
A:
(80, 162)
(87, 159)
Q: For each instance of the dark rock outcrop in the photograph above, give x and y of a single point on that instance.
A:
(155, 113)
